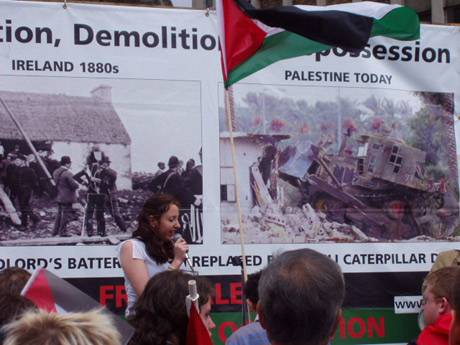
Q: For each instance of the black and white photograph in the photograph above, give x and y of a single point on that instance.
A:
(325, 164)
(78, 157)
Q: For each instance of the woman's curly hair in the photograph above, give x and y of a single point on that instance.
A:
(160, 315)
(155, 206)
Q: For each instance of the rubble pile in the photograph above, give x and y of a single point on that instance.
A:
(292, 225)
(425, 238)
(130, 203)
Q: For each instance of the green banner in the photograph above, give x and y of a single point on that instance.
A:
(358, 326)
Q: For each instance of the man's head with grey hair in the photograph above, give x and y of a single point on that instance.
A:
(300, 298)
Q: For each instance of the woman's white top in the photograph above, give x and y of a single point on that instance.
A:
(153, 268)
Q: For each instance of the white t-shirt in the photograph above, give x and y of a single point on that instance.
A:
(152, 267)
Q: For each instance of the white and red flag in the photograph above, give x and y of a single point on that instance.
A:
(51, 293)
(197, 332)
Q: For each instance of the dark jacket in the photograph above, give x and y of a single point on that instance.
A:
(11, 178)
(195, 181)
(27, 180)
(108, 181)
(172, 182)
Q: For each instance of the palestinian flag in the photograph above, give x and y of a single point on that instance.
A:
(38, 289)
(197, 333)
(252, 39)
(54, 294)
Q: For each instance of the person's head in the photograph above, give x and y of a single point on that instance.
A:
(160, 313)
(105, 162)
(20, 160)
(13, 280)
(251, 289)
(300, 298)
(158, 222)
(269, 151)
(95, 155)
(190, 164)
(65, 161)
(173, 162)
(44, 328)
(454, 336)
(161, 165)
(12, 306)
(437, 290)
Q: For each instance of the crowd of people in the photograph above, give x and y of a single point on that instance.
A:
(181, 183)
(160, 315)
(100, 180)
(298, 298)
(186, 185)
(23, 178)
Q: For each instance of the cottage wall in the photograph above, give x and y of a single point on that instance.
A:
(247, 153)
(119, 154)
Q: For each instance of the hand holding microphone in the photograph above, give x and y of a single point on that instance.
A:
(181, 250)
(180, 247)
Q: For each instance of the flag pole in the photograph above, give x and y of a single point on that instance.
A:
(191, 300)
(229, 109)
(28, 141)
(29, 282)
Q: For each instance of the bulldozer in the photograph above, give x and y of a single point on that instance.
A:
(381, 188)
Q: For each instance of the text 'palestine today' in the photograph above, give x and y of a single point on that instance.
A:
(338, 77)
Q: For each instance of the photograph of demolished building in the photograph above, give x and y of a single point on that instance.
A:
(339, 165)
(78, 157)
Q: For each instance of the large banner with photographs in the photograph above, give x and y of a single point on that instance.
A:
(351, 154)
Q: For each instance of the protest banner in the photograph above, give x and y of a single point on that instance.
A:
(351, 154)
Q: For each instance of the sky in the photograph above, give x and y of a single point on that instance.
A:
(182, 3)
(313, 94)
(163, 118)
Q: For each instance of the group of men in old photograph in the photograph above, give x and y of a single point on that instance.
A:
(24, 177)
(186, 185)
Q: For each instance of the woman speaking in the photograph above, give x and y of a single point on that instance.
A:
(151, 249)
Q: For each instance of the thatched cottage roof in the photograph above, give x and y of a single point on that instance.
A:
(59, 117)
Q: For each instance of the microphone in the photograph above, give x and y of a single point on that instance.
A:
(176, 238)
